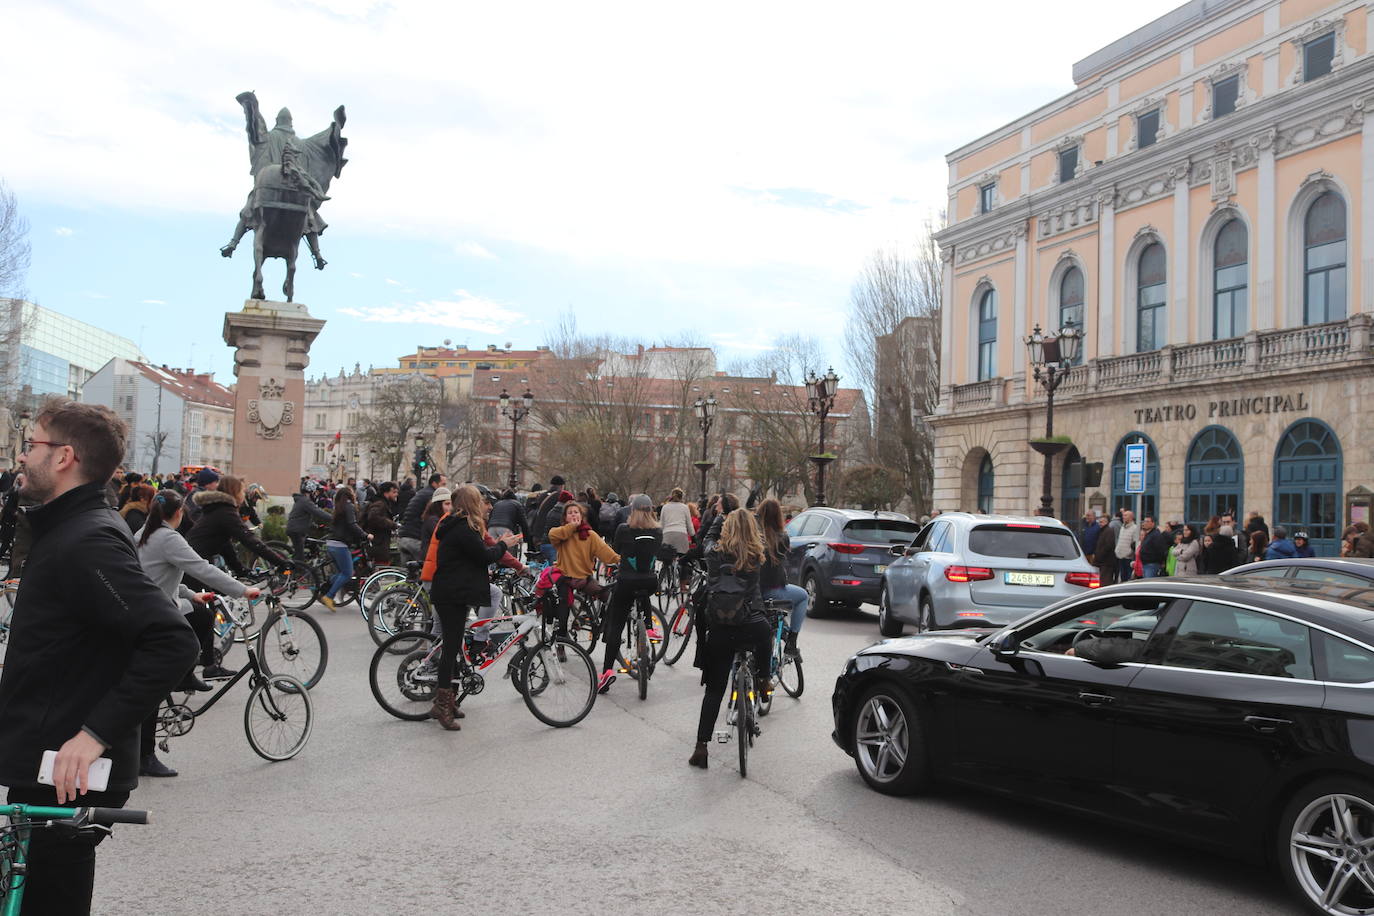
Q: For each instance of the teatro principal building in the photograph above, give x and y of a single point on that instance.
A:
(1201, 210)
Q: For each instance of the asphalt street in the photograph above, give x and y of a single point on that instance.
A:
(510, 816)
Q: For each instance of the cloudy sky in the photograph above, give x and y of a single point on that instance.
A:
(718, 170)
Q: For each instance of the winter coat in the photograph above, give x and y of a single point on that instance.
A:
(344, 527)
(461, 561)
(167, 557)
(1221, 556)
(1104, 555)
(508, 514)
(1088, 539)
(1189, 552)
(1280, 549)
(1364, 547)
(219, 526)
(638, 550)
(773, 575)
(304, 515)
(135, 513)
(676, 517)
(1127, 540)
(575, 554)
(94, 645)
(539, 520)
(377, 521)
(414, 511)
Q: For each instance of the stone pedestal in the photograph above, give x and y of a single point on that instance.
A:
(271, 342)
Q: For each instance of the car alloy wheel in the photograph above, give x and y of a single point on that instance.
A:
(815, 604)
(888, 625)
(889, 742)
(1330, 855)
(925, 617)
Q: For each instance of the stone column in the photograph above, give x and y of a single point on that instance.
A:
(271, 342)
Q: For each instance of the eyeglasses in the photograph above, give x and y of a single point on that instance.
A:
(30, 443)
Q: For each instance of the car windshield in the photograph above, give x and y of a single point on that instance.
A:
(1023, 542)
(881, 530)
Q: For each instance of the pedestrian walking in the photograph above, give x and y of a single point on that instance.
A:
(119, 645)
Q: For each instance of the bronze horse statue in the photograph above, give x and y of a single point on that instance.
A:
(291, 178)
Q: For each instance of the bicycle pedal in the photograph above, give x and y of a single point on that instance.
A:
(723, 737)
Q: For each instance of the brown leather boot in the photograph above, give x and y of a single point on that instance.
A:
(698, 758)
(443, 709)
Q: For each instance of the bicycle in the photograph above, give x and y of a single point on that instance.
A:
(24, 819)
(640, 665)
(684, 618)
(785, 669)
(742, 709)
(277, 718)
(400, 606)
(292, 639)
(554, 675)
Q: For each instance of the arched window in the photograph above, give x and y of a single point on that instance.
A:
(986, 484)
(1307, 484)
(1071, 303)
(1214, 478)
(1324, 275)
(1151, 294)
(987, 335)
(1230, 281)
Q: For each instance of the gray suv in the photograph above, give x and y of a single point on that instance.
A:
(981, 570)
(838, 555)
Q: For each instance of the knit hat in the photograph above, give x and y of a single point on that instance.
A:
(565, 497)
(440, 495)
(641, 501)
(205, 476)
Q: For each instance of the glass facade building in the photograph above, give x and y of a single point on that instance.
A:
(47, 354)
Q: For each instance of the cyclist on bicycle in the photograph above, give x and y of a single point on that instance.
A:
(773, 580)
(738, 554)
(577, 547)
(677, 521)
(344, 532)
(637, 542)
(461, 581)
(219, 525)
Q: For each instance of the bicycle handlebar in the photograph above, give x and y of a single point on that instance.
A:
(107, 816)
(102, 816)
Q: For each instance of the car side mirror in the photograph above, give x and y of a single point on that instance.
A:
(1005, 644)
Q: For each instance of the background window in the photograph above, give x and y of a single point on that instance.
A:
(1071, 304)
(1317, 56)
(1150, 298)
(1225, 93)
(987, 335)
(1146, 129)
(1220, 637)
(1068, 163)
(985, 198)
(1324, 260)
(1230, 293)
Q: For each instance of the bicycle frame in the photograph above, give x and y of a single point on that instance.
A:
(24, 819)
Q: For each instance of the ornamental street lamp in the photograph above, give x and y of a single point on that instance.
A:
(517, 411)
(1051, 356)
(821, 398)
(705, 409)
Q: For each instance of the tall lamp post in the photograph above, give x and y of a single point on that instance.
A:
(1051, 356)
(19, 423)
(517, 411)
(705, 409)
(821, 398)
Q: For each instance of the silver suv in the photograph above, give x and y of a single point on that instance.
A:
(980, 570)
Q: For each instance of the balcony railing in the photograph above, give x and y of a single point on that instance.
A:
(1257, 352)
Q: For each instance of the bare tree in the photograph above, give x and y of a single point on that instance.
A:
(892, 341)
(463, 438)
(399, 410)
(17, 318)
(14, 246)
(155, 446)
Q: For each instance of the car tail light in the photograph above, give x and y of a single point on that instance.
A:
(846, 582)
(1023, 525)
(1086, 580)
(967, 573)
(848, 548)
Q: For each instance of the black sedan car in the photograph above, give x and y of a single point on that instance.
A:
(1233, 713)
(1352, 571)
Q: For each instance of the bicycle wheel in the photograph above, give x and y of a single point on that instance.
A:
(680, 634)
(559, 683)
(292, 642)
(790, 675)
(381, 579)
(278, 717)
(584, 624)
(296, 588)
(658, 624)
(400, 607)
(398, 684)
(744, 707)
(644, 657)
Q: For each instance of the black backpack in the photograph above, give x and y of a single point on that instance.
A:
(727, 602)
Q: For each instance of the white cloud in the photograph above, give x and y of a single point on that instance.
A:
(153, 302)
(355, 276)
(64, 231)
(391, 282)
(474, 250)
(466, 312)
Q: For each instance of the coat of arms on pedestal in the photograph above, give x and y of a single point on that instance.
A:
(269, 411)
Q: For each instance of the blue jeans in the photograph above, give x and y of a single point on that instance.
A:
(1152, 570)
(795, 594)
(343, 559)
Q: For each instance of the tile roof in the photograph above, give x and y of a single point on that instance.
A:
(198, 388)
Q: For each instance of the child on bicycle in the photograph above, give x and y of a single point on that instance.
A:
(577, 547)
(738, 555)
(637, 542)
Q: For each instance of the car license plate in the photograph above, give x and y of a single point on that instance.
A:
(1028, 578)
(879, 570)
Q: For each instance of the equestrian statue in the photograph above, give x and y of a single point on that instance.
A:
(291, 178)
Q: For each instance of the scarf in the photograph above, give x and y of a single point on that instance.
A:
(584, 530)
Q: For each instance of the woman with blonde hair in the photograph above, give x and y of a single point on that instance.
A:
(738, 556)
(460, 581)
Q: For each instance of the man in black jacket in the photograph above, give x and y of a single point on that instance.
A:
(1154, 548)
(94, 646)
(408, 535)
(539, 527)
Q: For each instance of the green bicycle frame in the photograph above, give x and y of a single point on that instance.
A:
(14, 840)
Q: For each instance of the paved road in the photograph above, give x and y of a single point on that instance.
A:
(509, 816)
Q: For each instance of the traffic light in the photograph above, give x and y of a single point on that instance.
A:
(421, 462)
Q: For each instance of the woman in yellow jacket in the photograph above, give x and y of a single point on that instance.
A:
(577, 546)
